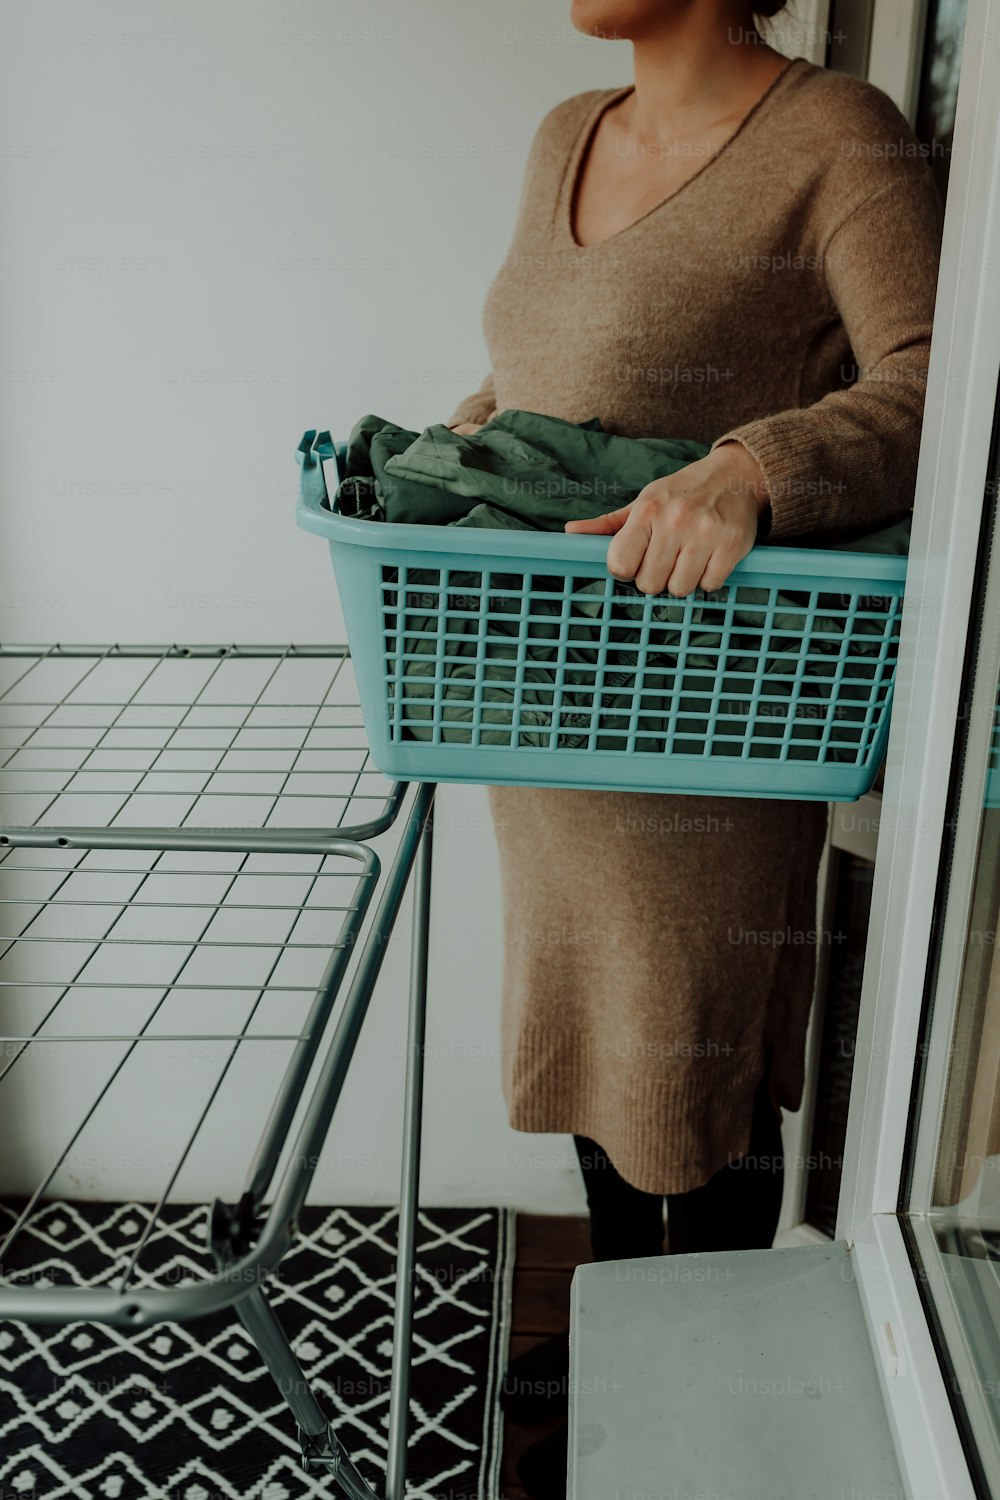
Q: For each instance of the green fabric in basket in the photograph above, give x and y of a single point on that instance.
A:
(528, 466)
(524, 470)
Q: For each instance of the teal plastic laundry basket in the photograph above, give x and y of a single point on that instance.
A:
(508, 657)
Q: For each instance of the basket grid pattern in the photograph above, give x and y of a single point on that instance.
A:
(559, 662)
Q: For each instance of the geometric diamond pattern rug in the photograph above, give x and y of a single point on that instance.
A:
(187, 1411)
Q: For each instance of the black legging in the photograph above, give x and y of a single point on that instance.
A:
(736, 1209)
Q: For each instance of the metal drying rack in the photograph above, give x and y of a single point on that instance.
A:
(119, 877)
(218, 742)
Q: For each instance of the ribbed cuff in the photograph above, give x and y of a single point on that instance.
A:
(786, 450)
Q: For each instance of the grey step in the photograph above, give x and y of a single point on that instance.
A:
(726, 1376)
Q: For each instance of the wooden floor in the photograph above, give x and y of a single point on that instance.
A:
(549, 1248)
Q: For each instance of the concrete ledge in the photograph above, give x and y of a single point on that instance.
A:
(745, 1375)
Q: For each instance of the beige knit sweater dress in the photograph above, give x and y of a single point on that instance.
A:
(659, 950)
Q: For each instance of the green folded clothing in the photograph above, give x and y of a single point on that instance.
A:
(538, 471)
(566, 665)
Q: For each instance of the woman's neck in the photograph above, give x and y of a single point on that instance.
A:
(696, 71)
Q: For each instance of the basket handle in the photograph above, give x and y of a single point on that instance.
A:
(313, 448)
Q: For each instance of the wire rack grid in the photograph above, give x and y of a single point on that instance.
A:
(183, 896)
(200, 982)
(227, 746)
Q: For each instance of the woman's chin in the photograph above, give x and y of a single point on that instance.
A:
(599, 18)
(619, 20)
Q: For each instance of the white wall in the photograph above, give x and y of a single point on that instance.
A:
(227, 221)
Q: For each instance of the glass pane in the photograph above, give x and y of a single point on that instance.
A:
(953, 1187)
(935, 122)
(967, 1170)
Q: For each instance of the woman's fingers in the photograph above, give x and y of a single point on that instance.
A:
(633, 531)
(659, 560)
(657, 556)
(631, 544)
(643, 548)
(688, 570)
(721, 563)
(601, 525)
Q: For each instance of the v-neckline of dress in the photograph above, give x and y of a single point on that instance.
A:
(585, 136)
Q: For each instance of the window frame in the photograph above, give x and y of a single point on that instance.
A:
(951, 481)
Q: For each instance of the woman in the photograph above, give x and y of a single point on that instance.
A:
(739, 249)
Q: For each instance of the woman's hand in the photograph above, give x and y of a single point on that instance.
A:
(690, 528)
(473, 426)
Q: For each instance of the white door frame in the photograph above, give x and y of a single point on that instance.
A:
(896, 49)
(951, 479)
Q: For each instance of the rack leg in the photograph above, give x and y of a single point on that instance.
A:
(321, 1449)
(399, 1394)
(230, 1231)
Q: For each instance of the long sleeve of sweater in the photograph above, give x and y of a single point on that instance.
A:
(852, 456)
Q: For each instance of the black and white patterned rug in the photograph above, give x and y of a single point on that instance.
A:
(189, 1412)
